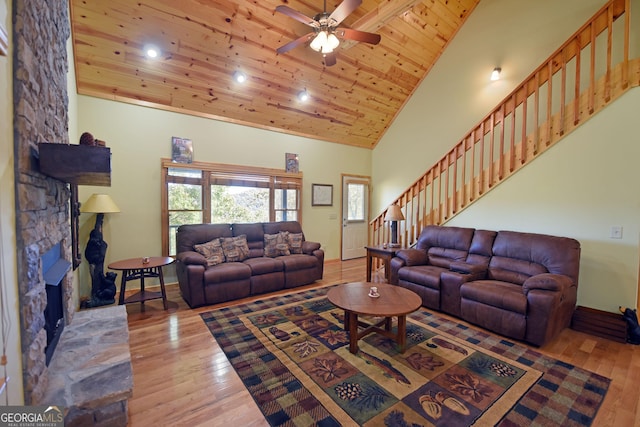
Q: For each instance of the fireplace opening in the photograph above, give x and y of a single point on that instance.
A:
(54, 268)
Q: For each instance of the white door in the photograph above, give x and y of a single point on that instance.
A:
(355, 216)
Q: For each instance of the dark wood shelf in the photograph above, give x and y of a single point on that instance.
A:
(76, 164)
(143, 296)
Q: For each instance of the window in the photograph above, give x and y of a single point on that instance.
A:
(356, 201)
(214, 193)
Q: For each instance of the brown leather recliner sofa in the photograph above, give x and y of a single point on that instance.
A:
(204, 282)
(520, 285)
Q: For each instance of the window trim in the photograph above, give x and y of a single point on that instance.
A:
(275, 176)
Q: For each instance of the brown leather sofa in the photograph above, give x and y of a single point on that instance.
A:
(204, 284)
(520, 285)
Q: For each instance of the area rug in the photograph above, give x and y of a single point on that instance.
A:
(292, 354)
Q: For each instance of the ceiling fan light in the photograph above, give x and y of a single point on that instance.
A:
(319, 42)
(333, 41)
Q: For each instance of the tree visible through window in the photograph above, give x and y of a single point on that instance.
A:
(200, 192)
(231, 204)
(356, 200)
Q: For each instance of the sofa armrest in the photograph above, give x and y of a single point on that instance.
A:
(547, 282)
(551, 300)
(413, 257)
(192, 258)
(477, 270)
(310, 247)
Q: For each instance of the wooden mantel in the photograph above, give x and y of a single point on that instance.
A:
(76, 164)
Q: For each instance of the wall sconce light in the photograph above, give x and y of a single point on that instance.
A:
(103, 289)
(303, 96)
(495, 74)
(394, 214)
(239, 77)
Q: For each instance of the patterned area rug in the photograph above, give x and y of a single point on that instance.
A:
(292, 354)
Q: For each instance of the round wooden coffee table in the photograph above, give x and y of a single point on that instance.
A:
(393, 301)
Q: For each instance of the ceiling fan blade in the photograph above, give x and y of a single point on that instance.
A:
(295, 43)
(357, 35)
(297, 16)
(330, 59)
(342, 11)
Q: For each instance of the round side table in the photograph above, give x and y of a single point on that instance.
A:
(141, 268)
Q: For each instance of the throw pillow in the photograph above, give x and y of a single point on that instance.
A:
(212, 252)
(236, 248)
(295, 243)
(276, 244)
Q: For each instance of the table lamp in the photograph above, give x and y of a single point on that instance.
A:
(394, 214)
(103, 288)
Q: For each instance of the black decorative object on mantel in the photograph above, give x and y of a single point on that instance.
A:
(103, 287)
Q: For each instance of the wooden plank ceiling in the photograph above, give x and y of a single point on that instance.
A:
(204, 42)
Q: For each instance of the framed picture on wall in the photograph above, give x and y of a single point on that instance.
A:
(291, 163)
(321, 195)
(181, 150)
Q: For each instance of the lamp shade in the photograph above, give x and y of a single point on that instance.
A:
(99, 203)
(394, 213)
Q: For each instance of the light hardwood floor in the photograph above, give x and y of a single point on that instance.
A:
(181, 377)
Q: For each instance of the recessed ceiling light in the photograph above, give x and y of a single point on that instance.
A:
(239, 77)
(151, 51)
(303, 96)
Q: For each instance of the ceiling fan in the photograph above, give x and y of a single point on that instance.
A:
(326, 33)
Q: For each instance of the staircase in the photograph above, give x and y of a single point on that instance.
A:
(572, 85)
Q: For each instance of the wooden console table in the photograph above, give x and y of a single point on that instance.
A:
(384, 253)
(136, 268)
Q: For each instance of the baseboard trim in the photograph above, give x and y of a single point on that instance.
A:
(599, 323)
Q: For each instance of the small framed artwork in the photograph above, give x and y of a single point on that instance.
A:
(291, 162)
(181, 150)
(321, 195)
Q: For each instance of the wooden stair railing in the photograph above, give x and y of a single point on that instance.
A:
(573, 84)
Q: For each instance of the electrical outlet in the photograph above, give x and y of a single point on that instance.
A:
(616, 232)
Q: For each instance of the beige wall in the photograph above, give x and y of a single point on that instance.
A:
(516, 35)
(8, 269)
(580, 188)
(139, 137)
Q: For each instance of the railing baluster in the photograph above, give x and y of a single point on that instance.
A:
(523, 142)
(536, 114)
(592, 70)
(455, 179)
(549, 101)
(472, 175)
(607, 85)
(576, 93)
(512, 143)
(491, 153)
(463, 187)
(501, 156)
(563, 92)
(481, 166)
(627, 32)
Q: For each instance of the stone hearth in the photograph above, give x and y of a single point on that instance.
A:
(90, 373)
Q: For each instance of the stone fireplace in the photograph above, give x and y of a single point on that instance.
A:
(90, 371)
(42, 203)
